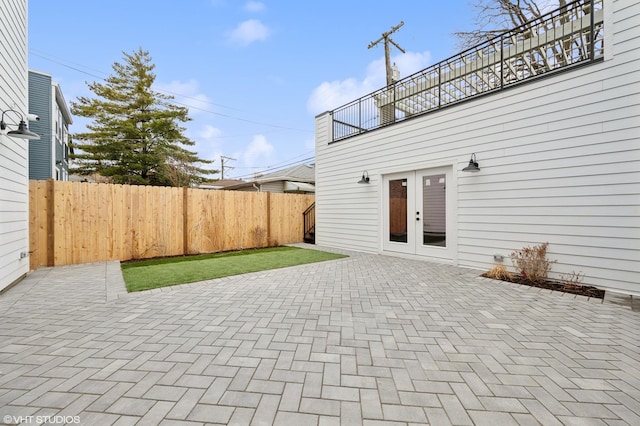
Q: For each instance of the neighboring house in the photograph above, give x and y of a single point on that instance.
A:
(553, 122)
(299, 179)
(220, 184)
(14, 151)
(48, 159)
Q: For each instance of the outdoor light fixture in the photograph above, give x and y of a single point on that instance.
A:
(23, 131)
(365, 177)
(473, 165)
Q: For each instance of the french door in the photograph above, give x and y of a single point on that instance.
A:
(418, 213)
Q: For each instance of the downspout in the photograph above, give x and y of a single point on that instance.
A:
(257, 188)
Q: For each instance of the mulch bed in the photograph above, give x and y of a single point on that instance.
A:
(582, 290)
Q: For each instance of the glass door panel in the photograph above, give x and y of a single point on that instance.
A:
(399, 228)
(398, 211)
(434, 208)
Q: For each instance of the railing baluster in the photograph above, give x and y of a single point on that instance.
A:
(592, 12)
(439, 85)
(501, 63)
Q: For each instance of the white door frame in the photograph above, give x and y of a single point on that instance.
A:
(413, 244)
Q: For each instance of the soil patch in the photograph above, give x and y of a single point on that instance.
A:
(582, 290)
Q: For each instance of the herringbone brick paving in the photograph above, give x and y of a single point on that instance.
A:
(368, 339)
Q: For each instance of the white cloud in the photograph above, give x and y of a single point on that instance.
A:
(254, 6)
(332, 94)
(249, 31)
(411, 62)
(208, 141)
(209, 132)
(258, 153)
(187, 92)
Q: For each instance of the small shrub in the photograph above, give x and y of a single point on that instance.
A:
(499, 272)
(572, 280)
(532, 262)
(258, 236)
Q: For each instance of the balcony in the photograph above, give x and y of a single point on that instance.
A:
(567, 37)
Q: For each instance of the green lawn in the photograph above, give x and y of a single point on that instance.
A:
(154, 273)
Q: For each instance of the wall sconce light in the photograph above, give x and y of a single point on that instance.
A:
(22, 132)
(365, 177)
(473, 165)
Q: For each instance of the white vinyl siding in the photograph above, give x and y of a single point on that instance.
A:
(14, 184)
(559, 163)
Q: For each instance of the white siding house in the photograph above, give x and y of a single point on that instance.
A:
(559, 163)
(14, 183)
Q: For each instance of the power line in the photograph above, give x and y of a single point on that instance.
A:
(231, 117)
(275, 169)
(105, 75)
(291, 159)
(283, 163)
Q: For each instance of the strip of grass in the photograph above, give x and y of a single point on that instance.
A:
(154, 273)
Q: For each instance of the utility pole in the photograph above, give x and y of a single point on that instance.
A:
(388, 109)
(222, 165)
(387, 50)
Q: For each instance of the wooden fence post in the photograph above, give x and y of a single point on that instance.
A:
(185, 220)
(268, 218)
(51, 235)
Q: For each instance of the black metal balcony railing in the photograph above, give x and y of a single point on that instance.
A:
(563, 38)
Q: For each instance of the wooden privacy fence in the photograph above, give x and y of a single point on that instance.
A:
(80, 222)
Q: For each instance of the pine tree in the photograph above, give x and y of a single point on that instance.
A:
(135, 135)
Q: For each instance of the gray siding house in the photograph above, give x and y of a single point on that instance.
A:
(550, 114)
(49, 158)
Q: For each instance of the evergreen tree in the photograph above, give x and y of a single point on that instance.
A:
(135, 135)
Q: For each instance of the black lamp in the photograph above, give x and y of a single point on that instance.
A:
(473, 165)
(22, 132)
(365, 177)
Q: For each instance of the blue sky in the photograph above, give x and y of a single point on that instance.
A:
(254, 74)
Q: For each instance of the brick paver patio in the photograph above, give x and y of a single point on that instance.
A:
(367, 339)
